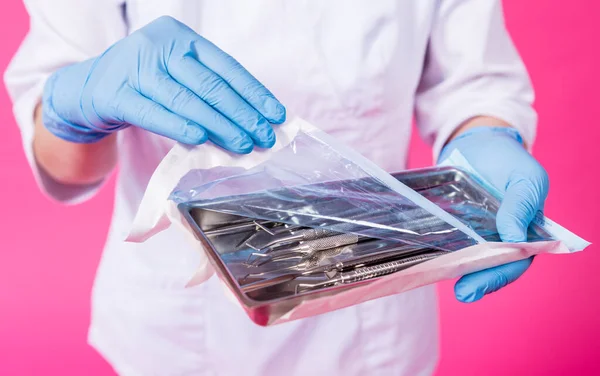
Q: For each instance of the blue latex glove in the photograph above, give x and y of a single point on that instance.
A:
(499, 156)
(166, 79)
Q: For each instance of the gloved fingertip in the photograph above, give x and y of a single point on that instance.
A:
(267, 144)
(472, 287)
(242, 144)
(195, 135)
(521, 202)
(514, 236)
(264, 135)
(245, 149)
(466, 293)
(510, 228)
(274, 111)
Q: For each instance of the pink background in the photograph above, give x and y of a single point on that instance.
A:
(548, 323)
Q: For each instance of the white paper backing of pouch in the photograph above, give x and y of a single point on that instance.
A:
(157, 212)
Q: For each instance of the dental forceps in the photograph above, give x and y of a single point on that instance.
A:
(307, 248)
(314, 263)
(369, 272)
(290, 236)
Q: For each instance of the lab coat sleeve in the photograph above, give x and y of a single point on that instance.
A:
(472, 69)
(62, 32)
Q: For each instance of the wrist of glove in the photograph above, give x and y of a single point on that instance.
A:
(498, 154)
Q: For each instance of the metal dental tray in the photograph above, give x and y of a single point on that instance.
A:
(314, 264)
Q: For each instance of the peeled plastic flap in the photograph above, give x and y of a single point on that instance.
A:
(156, 212)
(315, 181)
(308, 178)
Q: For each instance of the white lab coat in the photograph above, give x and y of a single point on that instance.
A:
(358, 69)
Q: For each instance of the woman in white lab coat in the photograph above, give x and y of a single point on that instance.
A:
(98, 83)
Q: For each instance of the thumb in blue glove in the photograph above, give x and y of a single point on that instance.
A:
(497, 153)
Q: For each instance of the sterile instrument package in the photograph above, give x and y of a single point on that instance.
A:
(311, 226)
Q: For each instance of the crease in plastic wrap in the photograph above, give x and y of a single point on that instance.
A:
(310, 180)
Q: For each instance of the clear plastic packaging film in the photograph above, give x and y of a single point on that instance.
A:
(312, 226)
(311, 183)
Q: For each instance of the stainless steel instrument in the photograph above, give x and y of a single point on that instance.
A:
(310, 247)
(369, 272)
(288, 237)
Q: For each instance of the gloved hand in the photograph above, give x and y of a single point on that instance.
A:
(499, 156)
(166, 79)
